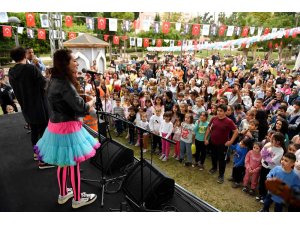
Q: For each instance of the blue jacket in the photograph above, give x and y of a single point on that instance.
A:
(239, 155)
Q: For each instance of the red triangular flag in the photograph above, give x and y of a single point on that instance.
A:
(42, 34)
(69, 21)
(105, 37)
(146, 42)
(270, 45)
(124, 38)
(245, 31)
(222, 30)
(158, 43)
(7, 31)
(72, 35)
(101, 23)
(243, 45)
(30, 21)
(116, 40)
(287, 33)
(136, 24)
(267, 30)
(179, 43)
(166, 27)
(196, 29)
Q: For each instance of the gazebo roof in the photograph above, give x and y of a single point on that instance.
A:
(85, 41)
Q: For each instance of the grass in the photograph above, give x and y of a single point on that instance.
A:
(201, 183)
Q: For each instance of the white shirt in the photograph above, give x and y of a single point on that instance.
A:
(166, 127)
(155, 122)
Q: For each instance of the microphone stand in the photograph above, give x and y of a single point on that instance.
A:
(99, 110)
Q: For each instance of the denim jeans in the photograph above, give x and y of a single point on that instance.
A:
(186, 148)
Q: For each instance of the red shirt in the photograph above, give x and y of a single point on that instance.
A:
(220, 130)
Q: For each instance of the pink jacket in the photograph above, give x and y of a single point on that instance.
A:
(253, 161)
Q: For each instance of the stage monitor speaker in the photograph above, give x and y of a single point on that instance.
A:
(157, 188)
(114, 156)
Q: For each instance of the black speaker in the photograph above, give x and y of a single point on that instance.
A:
(114, 156)
(157, 188)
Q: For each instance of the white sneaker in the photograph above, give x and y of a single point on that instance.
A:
(162, 156)
(86, 199)
(63, 199)
(164, 159)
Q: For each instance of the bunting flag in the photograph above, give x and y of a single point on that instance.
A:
(7, 32)
(294, 35)
(230, 31)
(195, 29)
(30, 21)
(132, 41)
(89, 23)
(124, 38)
(166, 40)
(179, 43)
(190, 42)
(195, 43)
(287, 33)
(213, 30)
(270, 44)
(136, 24)
(68, 21)
(259, 31)
(245, 31)
(237, 31)
(222, 30)
(139, 42)
(105, 37)
(30, 33)
(72, 35)
(146, 42)
(184, 43)
(205, 30)
(3, 17)
(158, 43)
(42, 34)
(44, 20)
(267, 30)
(113, 24)
(252, 30)
(178, 26)
(20, 30)
(126, 25)
(101, 23)
(156, 27)
(116, 40)
(166, 27)
(171, 43)
(146, 25)
(186, 29)
(274, 30)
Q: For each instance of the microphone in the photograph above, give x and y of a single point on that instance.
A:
(90, 71)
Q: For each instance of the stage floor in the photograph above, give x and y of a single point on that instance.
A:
(25, 188)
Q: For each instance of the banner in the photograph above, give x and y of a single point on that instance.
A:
(259, 31)
(230, 31)
(146, 25)
(136, 24)
(196, 29)
(171, 43)
(139, 42)
(178, 26)
(116, 40)
(146, 42)
(44, 20)
(245, 31)
(213, 30)
(158, 43)
(20, 30)
(101, 23)
(105, 37)
(42, 34)
(7, 32)
(222, 30)
(274, 30)
(179, 43)
(72, 35)
(68, 21)
(252, 30)
(3, 17)
(205, 30)
(165, 27)
(30, 21)
(89, 23)
(156, 28)
(237, 31)
(153, 42)
(132, 41)
(267, 30)
(126, 26)
(113, 24)
(30, 33)
(186, 28)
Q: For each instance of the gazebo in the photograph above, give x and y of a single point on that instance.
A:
(87, 48)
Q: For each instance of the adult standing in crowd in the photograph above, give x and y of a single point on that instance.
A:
(29, 87)
(34, 60)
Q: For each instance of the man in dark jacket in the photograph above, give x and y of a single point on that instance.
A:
(6, 96)
(29, 88)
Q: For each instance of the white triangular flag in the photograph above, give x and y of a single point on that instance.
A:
(139, 42)
(190, 42)
(3, 17)
(30, 33)
(274, 30)
(259, 31)
(44, 20)
(113, 24)
(146, 25)
(178, 26)
(166, 40)
(132, 41)
(63, 35)
(230, 31)
(20, 30)
(205, 30)
(252, 30)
